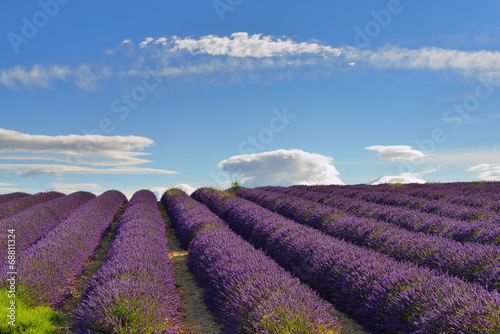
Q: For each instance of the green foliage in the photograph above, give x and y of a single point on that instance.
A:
(235, 185)
(133, 321)
(29, 320)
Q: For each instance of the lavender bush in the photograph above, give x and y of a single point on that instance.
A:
(471, 261)
(46, 270)
(464, 231)
(248, 292)
(9, 197)
(134, 290)
(32, 224)
(20, 204)
(387, 295)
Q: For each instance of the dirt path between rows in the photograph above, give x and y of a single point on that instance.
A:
(196, 318)
(71, 304)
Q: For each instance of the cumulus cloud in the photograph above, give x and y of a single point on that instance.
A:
(282, 167)
(489, 172)
(397, 152)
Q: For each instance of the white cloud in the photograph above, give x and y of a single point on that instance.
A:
(4, 184)
(241, 44)
(241, 52)
(489, 172)
(28, 170)
(40, 76)
(469, 63)
(404, 177)
(88, 79)
(282, 167)
(13, 140)
(476, 156)
(481, 168)
(73, 186)
(144, 43)
(84, 76)
(11, 190)
(80, 150)
(397, 152)
(93, 150)
(187, 188)
(234, 55)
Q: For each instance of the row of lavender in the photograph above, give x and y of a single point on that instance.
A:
(385, 294)
(473, 194)
(246, 290)
(453, 206)
(19, 203)
(134, 291)
(11, 196)
(473, 262)
(476, 231)
(32, 224)
(481, 196)
(47, 269)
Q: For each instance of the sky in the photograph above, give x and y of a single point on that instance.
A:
(128, 95)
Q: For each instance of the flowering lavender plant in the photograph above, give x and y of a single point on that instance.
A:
(47, 270)
(248, 292)
(386, 295)
(134, 290)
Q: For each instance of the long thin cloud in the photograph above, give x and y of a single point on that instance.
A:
(397, 152)
(241, 52)
(84, 76)
(488, 172)
(42, 169)
(75, 154)
(85, 149)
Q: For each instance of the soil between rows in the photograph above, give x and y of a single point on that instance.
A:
(196, 318)
(71, 304)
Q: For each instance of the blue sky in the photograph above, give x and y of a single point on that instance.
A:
(121, 95)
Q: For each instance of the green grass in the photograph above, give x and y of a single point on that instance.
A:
(29, 320)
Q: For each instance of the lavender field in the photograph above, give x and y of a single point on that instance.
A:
(414, 258)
